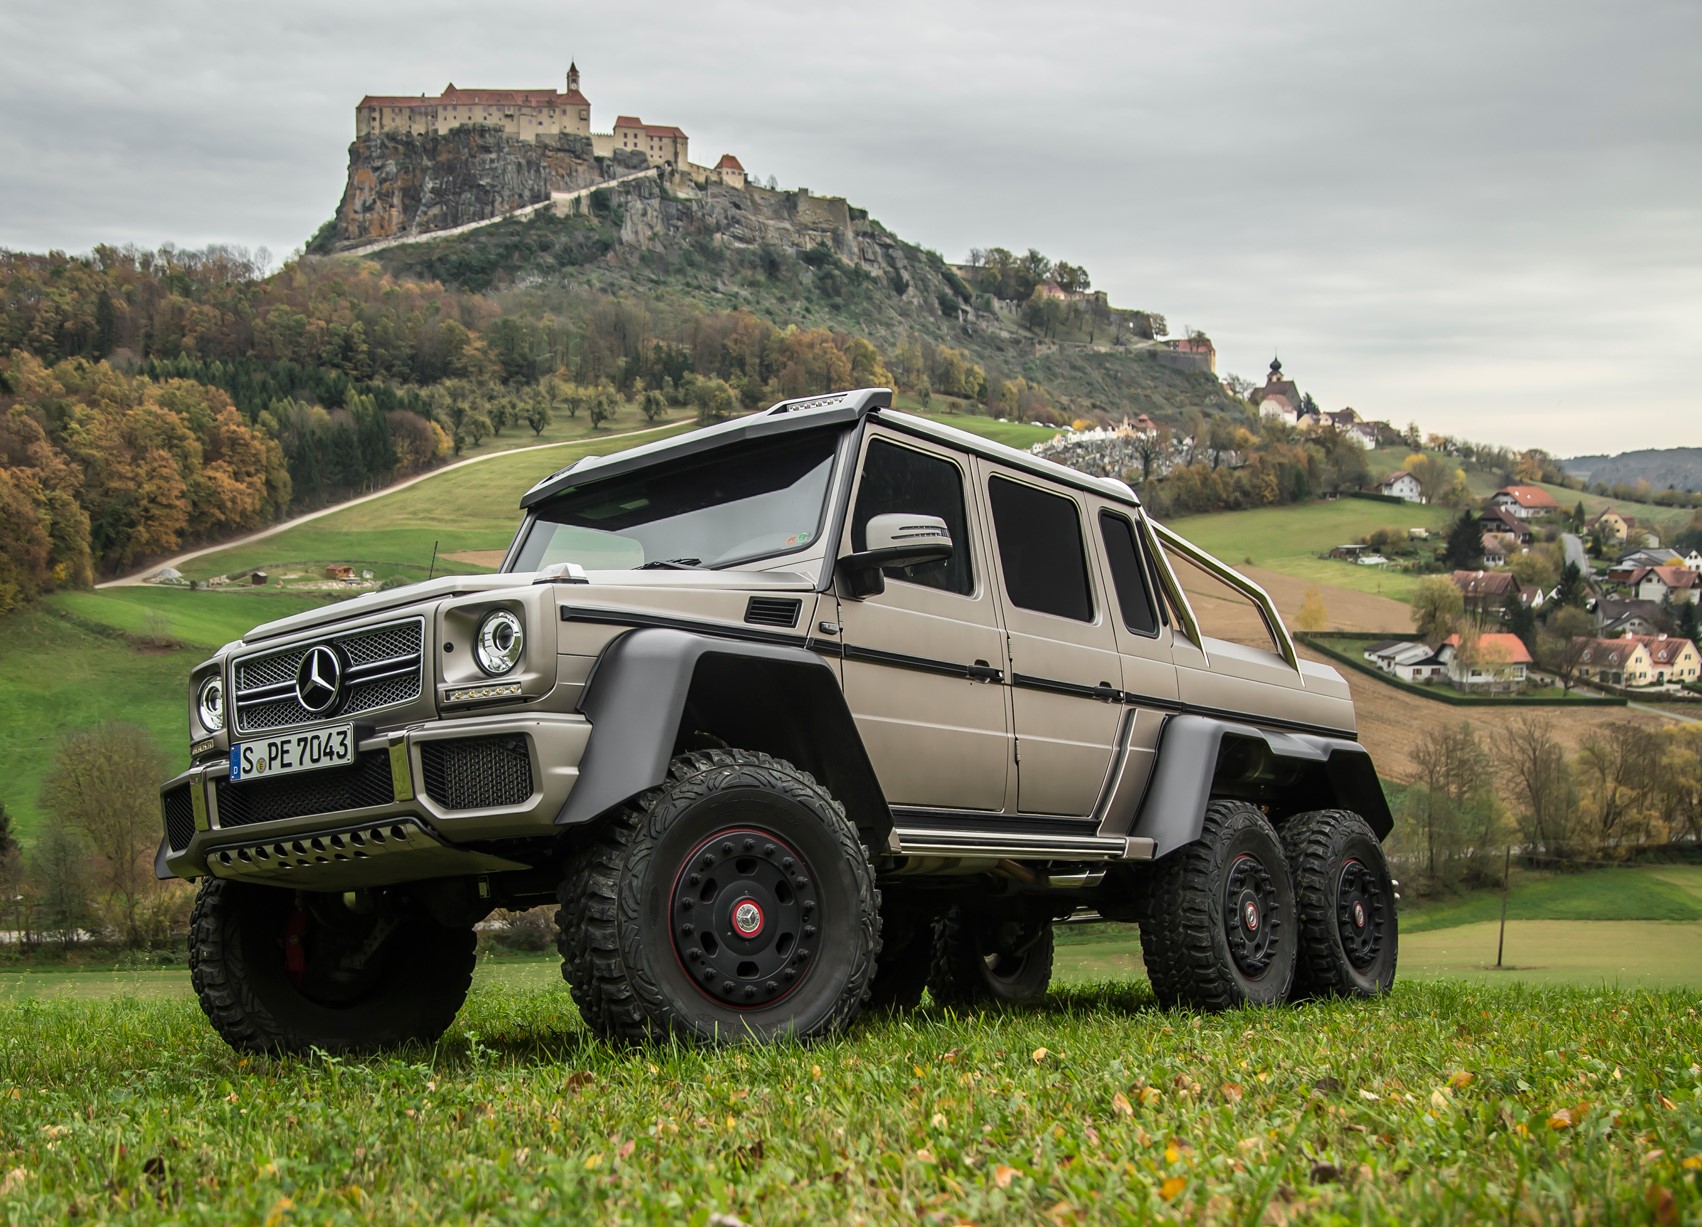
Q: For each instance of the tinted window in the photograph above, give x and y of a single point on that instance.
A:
(1134, 595)
(1040, 545)
(899, 479)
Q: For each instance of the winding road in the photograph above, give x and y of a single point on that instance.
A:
(141, 576)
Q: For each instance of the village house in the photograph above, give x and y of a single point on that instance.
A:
(1525, 502)
(1200, 346)
(1616, 618)
(1638, 660)
(1498, 547)
(1693, 560)
(1657, 584)
(1649, 556)
(1408, 659)
(1617, 530)
(1499, 520)
(1279, 398)
(1403, 485)
(1498, 661)
(1486, 591)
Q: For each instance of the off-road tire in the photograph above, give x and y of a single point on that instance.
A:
(1346, 898)
(624, 955)
(1186, 930)
(905, 959)
(962, 977)
(237, 965)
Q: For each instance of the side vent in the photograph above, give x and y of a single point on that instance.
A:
(774, 611)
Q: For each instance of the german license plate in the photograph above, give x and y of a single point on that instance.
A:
(332, 747)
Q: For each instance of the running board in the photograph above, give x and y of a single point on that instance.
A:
(934, 841)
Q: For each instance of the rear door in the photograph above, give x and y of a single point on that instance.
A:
(1066, 675)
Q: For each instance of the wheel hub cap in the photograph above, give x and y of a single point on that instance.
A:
(1361, 911)
(744, 915)
(1250, 916)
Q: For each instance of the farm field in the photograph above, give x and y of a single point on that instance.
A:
(1530, 1105)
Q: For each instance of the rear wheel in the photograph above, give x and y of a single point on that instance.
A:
(282, 971)
(907, 949)
(984, 959)
(1346, 899)
(734, 902)
(1220, 930)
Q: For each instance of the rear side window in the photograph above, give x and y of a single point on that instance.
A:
(1041, 547)
(900, 479)
(1128, 576)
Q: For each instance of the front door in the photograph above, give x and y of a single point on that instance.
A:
(1066, 673)
(924, 660)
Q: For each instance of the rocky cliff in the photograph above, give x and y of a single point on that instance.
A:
(400, 184)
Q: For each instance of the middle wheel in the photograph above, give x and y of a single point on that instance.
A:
(983, 958)
(734, 902)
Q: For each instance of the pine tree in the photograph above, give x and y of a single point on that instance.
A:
(1464, 551)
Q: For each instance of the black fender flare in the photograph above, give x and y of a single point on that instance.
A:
(787, 699)
(1339, 771)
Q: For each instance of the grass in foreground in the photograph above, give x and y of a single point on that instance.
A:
(1444, 1103)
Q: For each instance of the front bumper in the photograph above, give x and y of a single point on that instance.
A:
(402, 812)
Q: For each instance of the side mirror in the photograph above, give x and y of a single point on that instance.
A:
(894, 540)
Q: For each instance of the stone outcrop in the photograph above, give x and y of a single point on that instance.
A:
(401, 184)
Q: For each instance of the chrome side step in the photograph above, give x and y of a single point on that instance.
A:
(934, 841)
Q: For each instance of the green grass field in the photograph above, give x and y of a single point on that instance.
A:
(1441, 1104)
(1292, 539)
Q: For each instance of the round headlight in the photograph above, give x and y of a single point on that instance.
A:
(210, 704)
(502, 638)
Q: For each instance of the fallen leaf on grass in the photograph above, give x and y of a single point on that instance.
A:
(1373, 1096)
(1460, 1080)
(1655, 1156)
(1150, 1095)
(626, 1149)
(1562, 1119)
(14, 1180)
(924, 1155)
(1040, 1054)
(1120, 1103)
(1662, 1206)
(1692, 1163)
(1232, 1092)
(1668, 1104)
(726, 1220)
(1172, 1188)
(579, 1078)
(1439, 1101)
(1003, 1175)
(279, 1212)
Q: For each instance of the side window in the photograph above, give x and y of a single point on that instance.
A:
(1134, 593)
(1040, 544)
(900, 479)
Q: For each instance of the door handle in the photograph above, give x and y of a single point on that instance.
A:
(1108, 692)
(981, 671)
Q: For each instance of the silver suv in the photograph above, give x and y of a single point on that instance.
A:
(794, 717)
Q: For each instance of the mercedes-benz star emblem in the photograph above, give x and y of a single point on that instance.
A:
(319, 680)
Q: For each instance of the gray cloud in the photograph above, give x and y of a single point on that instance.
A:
(1487, 218)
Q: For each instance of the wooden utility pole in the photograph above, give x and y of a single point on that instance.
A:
(1506, 881)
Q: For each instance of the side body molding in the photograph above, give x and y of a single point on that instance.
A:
(1201, 755)
(655, 684)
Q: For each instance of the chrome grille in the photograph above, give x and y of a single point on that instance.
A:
(477, 772)
(382, 667)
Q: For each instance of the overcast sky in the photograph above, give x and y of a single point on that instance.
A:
(1485, 217)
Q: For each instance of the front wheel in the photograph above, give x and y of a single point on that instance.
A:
(280, 971)
(1346, 899)
(734, 902)
(1219, 929)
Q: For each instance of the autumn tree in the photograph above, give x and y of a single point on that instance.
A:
(1541, 784)
(1562, 643)
(1313, 616)
(60, 883)
(1436, 608)
(1452, 805)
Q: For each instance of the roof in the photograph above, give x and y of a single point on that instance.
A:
(1606, 651)
(1392, 478)
(1485, 583)
(1528, 496)
(815, 412)
(1664, 649)
(1501, 647)
(1671, 576)
(728, 162)
(479, 97)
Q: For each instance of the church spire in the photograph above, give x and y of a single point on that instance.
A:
(572, 77)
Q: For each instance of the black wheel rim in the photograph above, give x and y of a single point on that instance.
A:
(1007, 946)
(1361, 908)
(1251, 919)
(744, 915)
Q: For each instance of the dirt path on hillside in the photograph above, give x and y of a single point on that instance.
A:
(138, 577)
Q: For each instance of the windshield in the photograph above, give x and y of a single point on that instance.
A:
(727, 506)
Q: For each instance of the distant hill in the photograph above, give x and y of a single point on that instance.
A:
(1679, 468)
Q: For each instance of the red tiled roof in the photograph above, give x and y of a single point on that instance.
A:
(728, 162)
(1528, 496)
(1500, 647)
(1485, 583)
(629, 121)
(662, 130)
(480, 97)
(1678, 577)
(1392, 478)
(1664, 649)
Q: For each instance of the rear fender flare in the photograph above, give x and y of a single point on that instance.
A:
(1196, 752)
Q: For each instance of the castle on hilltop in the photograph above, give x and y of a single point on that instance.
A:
(534, 113)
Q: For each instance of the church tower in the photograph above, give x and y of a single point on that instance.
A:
(572, 78)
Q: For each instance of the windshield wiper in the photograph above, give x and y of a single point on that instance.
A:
(671, 564)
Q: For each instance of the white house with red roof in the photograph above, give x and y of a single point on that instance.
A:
(1497, 661)
(1681, 584)
(1525, 502)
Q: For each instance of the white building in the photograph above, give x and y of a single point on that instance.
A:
(1403, 485)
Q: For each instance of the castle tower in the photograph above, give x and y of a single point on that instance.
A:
(572, 78)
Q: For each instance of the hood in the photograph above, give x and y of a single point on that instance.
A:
(463, 585)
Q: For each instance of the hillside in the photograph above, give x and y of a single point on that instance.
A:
(675, 248)
(1678, 468)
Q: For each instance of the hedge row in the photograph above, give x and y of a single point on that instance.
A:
(1315, 640)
